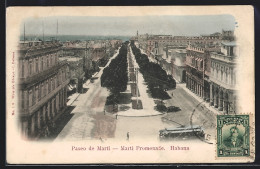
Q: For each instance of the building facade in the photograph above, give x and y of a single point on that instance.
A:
(43, 83)
(198, 68)
(77, 74)
(153, 45)
(179, 64)
(195, 61)
(223, 78)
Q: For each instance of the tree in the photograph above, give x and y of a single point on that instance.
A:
(115, 77)
(156, 78)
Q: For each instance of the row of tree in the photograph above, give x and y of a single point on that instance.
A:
(157, 79)
(115, 77)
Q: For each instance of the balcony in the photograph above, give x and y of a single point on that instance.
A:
(44, 100)
(222, 57)
(222, 84)
(26, 82)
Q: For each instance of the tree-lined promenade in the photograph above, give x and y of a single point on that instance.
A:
(87, 120)
(157, 79)
(115, 77)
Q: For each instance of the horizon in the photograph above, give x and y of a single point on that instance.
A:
(128, 26)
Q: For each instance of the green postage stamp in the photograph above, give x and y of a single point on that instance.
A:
(233, 138)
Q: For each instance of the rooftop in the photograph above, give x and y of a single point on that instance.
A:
(34, 45)
(227, 43)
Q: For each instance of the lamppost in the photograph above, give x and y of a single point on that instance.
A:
(137, 86)
(136, 68)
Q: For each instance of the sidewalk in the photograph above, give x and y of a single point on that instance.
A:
(199, 99)
(147, 102)
(74, 96)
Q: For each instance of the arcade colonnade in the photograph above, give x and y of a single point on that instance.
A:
(222, 99)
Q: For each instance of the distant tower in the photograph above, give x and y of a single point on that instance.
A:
(24, 32)
(137, 33)
(57, 30)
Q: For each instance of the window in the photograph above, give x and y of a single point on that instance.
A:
(231, 51)
(46, 88)
(47, 61)
(226, 77)
(62, 75)
(53, 85)
(37, 67)
(43, 88)
(33, 92)
(22, 68)
(49, 86)
(22, 104)
(51, 57)
(39, 92)
(30, 98)
(42, 64)
(58, 79)
(30, 67)
(36, 94)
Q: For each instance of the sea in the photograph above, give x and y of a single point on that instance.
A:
(64, 38)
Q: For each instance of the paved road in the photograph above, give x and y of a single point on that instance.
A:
(192, 112)
(88, 117)
(90, 123)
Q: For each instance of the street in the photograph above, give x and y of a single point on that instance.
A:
(192, 111)
(89, 122)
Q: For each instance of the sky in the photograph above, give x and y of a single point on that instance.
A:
(127, 26)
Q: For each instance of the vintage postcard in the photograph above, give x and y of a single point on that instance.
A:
(123, 85)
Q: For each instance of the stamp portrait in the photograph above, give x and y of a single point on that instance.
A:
(233, 135)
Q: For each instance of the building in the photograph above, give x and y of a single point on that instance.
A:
(179, 64)
(228, 35)
(153, 45)
(223, 78)
(95, 53)
(77, 74)
(43, 83)
(198, 68)
(173, 61)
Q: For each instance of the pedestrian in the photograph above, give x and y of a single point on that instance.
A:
(127, 136)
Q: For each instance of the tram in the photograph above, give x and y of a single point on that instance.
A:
(183, 132)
